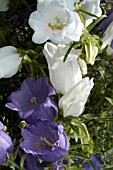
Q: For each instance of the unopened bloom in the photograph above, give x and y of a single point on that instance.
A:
(53, 21)
(4, 5)
(63, 75)
(45, 141)
(73, 102)
(83, 66)
(6, 145)
(108, 39)
(32, 96)
(9, 61)
(91, 52)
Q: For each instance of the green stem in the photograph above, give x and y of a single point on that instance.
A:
(70, 48)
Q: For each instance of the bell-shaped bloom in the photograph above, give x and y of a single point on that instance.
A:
(4, 5)
(108, 39)
(6, 145)
(73, 102)
(96, 160)
(45, 141)
(32, 96)
(92, 6)
(9, 61)
(53, 21)
(63, 75)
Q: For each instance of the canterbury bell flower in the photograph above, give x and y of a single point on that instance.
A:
(73, 102)
(63, 75)
(44, 140)
(9, 61)
(4, 5)
(53, 21)
(92, 6)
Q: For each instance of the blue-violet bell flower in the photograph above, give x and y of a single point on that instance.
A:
(45, 140)
(96, 160)
(6, 145)
(33, 96)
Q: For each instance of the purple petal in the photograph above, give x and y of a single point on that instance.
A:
(106, 21)
(46, 111)
(31, 94)
(45, 140)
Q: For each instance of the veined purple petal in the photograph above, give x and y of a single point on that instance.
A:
(6, 146)
(46, 111)
(45, 140)
(31, 94)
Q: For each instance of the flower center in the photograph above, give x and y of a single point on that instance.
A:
(48, 144)
(58, 26)
(34, 100)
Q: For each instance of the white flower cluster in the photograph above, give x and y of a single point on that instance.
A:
(59, 22)
(56, 20)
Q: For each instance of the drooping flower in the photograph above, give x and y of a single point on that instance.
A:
(33, 95)
(92, 6)
(45, 141)
(9, 61)
(73, 102)
(96, 160)
(63, 75)
(53, 21)
(6, 145)
(108, 39)
(4, 5)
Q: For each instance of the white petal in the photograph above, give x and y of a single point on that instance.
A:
(63, 75)
(73, 102)
(9, 61)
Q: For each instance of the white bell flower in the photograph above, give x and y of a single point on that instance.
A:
(4, 5)
(108, 39)
(73, 102)
(63, 75)
(9, 61)
(53, 21)
(92, 6)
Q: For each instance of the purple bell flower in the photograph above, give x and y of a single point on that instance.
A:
(32, 96)
(6, 145)
(96, 160)
(45, 140)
